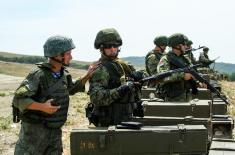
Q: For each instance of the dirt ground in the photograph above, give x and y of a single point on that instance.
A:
(76, 117)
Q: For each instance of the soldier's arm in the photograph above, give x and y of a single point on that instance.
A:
(164, 66)
(99, 93)
(152, 64)
(79, 84)
(23, 94)
(203, 59)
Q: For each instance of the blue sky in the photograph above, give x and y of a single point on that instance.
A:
(26, 24)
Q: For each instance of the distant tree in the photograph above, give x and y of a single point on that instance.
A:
(232, 76)
(37, 59)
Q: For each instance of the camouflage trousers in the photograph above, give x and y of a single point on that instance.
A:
(36, 139)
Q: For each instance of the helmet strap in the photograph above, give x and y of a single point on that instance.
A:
(182, 52)
(162, 50)
(60, 61)
(102, 52)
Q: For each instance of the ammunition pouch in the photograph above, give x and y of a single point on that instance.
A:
(108, 115)
(90, 114)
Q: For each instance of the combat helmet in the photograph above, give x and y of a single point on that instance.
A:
(107, 36)
(176, 39)
(189, 43)
(57, 45)
(161, 41)
(205, 49)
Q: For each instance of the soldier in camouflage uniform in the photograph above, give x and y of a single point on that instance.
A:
(43, 114)
(204, 58)
(153, 57)
(176, 87)
(189, 55)
(109, 91)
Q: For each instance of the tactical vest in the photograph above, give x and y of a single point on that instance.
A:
(119, 110)
(60, 96)
(157, 56)
(173, 89)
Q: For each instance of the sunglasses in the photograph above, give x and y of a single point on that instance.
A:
(110, 45)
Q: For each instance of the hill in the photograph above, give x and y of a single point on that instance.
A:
(138, 62)
(31, 59)
(219, 66)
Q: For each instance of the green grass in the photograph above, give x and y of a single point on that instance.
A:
(5, 123)
(2, 94)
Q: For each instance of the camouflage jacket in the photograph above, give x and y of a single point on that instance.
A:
(174, 87)
(100, 92)
(151, 61)
(204, 59)
(164, 65)
(190, 57)
(32, 85)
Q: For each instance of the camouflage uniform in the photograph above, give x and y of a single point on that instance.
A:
(204, 58)
(153, 57)
(174, 87)
(40, 132)
(152, 60)
(110, 105)
(189, 55)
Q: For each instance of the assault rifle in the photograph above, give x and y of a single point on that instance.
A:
(198, 77)
(194, 49)
(168, 73)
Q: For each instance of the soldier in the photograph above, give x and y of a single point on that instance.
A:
(43, 99)
(189, 55)
(204, 58)
(109, 92)
(175, 87)
(153, 57)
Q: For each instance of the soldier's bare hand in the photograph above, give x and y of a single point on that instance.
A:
(49, 108)
(188, 76)
(92, 68)
(202, 85)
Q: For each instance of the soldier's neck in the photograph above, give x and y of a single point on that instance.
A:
(55, 66)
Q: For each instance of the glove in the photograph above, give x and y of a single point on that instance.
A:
(123, 89)
(137, 75)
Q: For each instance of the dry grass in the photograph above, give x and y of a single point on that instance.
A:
(21, 70)
(229, 90)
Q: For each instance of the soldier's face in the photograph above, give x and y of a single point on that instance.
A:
(183, 47)
(68, 57)
(111, 51)
(163, 48)
(188, 47)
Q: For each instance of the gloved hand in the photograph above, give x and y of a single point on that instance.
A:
(137, 75)
(127, 87)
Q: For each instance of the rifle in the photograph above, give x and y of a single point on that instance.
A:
(210, 62)
(166, 74)
(194, 49)
(192, 71)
